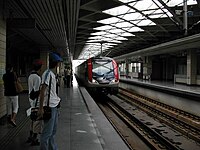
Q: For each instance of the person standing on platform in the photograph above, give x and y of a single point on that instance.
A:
(48, 89)
(65, 76)
(71, 74)
(34, 82)
(11, 94)
(68, 75)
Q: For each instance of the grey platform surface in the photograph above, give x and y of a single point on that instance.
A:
(82, 126)
(167, 84)
(180, 101)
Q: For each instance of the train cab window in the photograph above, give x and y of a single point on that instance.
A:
(102, 68)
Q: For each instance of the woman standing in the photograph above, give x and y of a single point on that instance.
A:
(11, 94)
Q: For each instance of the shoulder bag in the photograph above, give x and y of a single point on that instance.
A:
(18, 85)
(47, 109)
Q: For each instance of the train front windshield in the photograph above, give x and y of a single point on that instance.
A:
(102, 71)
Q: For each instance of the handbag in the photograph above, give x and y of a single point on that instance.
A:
(34, 94)
(47, 109)
(34, 113)
(46, 115)
(18, 86)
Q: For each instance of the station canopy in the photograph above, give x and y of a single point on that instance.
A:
(137, 24)
(87, 28)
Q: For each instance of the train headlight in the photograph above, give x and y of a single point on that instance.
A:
(113, 81)
(94, 81)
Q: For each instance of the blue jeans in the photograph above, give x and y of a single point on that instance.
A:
(47, 139)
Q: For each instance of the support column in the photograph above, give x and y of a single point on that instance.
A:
(147, 68)
(185, 17)
(2, 64)
(123, 69)
(191, 67)
(127, 68)
(44, 56)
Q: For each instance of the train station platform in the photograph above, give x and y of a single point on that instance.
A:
(81, 126)
(167, 85)
(182, 96)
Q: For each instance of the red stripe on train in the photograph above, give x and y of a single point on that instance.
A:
(115, 70)
(90, 70)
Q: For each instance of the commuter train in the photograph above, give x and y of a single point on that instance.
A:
(99, 74)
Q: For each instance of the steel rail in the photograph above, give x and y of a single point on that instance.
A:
(186, 123)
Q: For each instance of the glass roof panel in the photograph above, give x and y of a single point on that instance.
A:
(126, 20)
(149, 11)
(92, 41)
(157, 16)
(115, 41)
(120, 38)
(110, 20)
(123, 24)
(94, 37)
(134, 29)
(98, 33)
(118, 10)
(116, 31)
(106, 39)
(145, 22)
(132, 16)
(144, 5)
(173, 3)
(106, 27)
(127, 34)
(110, 35)
(111, 44)
(135, 22)
(160, 15)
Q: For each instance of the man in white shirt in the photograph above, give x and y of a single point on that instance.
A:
(47, 140)
(34, 82)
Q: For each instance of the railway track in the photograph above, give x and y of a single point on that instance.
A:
(156, 134)
(148, 130)
(148, 136)
(184, 122)
(122, 125)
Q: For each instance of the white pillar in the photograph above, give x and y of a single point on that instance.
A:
(191, 67)
(147, 68)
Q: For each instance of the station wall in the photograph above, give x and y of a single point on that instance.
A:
(2, 64)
